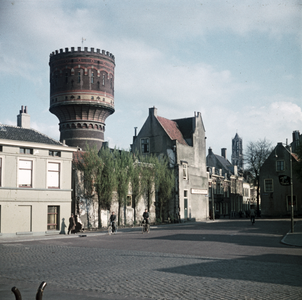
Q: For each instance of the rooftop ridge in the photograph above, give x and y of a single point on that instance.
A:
(32, 129)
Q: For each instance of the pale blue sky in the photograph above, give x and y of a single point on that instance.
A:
(237, 62)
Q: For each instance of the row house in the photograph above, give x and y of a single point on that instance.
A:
(35, 180)
(229, 194)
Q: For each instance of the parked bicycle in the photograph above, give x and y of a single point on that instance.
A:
(39, 294)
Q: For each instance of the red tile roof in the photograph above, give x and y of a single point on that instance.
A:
(172, 130)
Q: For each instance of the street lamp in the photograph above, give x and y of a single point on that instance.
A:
(291, 190)
(284, 181)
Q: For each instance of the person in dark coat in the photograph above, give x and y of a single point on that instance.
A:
(146, 216)
(112, 221)
(72, 224)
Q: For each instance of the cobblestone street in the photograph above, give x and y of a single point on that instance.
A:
(111, 265)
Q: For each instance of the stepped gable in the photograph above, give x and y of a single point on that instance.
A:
(26, 135)
(172, 130)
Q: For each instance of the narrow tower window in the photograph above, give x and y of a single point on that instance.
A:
(79, 77)
(66, 77)
(92, 77)
(103, 79)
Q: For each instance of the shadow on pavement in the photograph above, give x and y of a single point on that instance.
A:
(242, 269)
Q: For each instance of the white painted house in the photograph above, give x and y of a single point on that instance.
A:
(35, 180)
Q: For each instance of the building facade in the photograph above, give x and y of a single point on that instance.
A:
(275, 184)
(226, 186)
(82, 94)
(183, 141)
(35, 180)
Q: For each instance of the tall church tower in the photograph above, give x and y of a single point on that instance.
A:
(82, 94)
(237, 156)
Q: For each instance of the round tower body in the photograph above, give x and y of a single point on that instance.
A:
(82, 94)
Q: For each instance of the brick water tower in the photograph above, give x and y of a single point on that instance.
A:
(82, 94)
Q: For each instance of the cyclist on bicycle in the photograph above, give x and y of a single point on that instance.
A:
(112, 221)
(146, 216)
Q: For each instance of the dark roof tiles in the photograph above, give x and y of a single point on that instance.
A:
(172, 130)
(25, 135)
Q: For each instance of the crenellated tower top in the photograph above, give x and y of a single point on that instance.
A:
(82, 94)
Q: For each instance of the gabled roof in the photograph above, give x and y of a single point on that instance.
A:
(224, 162)
(25, 135)
(172, 130)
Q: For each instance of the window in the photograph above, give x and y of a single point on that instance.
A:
(66, 77)
(103, 79)
(54, 153)
(25, 173)
(185, 171)
(280, 165)
(185, 204)
(79, 77)
(92, 77)
(0, 170)
(129, 200)
(145, 145)
(1, 149)
(53, 217)
(53, 175)
(26, 151)
(268, 185)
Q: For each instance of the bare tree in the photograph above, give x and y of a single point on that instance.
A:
(255, 155)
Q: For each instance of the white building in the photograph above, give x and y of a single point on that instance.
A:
(183, 141)
(35, 180)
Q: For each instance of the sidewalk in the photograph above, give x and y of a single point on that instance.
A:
(291, 239)
(295, 238)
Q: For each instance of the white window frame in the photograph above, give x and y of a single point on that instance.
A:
(185, 171)
(1, 170)
(22, 170)
(279, 161)
(53, 175)
(265, 186)
(144, 145)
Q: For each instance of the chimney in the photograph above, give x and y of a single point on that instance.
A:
(23, 119)
(223, 152)
(135, 131)
(153, 111)
(210, 151)
(235, 171)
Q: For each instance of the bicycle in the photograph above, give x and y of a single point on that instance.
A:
(145, 227)
(39, 294)
(110, 228)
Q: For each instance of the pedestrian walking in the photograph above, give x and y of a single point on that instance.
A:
(72, 224)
